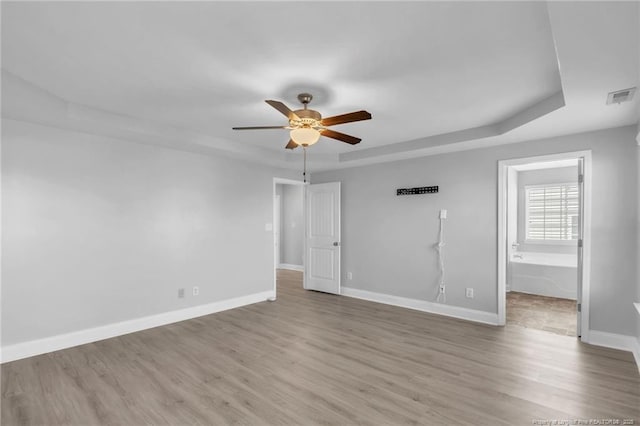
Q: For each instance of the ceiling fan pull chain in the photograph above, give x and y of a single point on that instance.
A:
(304, 171)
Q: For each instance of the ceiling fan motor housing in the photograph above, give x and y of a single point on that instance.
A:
(308, 118)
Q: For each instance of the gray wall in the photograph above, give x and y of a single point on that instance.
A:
(292, 231)
(388, 241)
(541, 177)
(99, 230)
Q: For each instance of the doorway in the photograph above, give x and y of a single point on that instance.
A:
(544, 242)
(314, 224)
(288, 230)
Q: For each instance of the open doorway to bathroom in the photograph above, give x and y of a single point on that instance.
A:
(542, 243)
(288, 232)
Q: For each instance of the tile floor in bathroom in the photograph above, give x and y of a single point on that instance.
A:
(542, 313)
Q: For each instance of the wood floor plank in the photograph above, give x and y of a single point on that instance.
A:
(315, 358)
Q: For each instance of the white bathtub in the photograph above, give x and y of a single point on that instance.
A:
(546, 259)
(546, 274)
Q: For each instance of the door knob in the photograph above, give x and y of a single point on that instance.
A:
(336, 244)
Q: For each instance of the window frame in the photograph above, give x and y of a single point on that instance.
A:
(572, 242)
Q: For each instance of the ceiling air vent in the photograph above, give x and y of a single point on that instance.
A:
(620, 96)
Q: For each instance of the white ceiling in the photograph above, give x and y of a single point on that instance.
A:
(515, 70)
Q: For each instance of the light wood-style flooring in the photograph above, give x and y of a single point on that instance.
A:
(314, 358)
(542, 313)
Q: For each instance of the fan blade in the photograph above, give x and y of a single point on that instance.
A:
(346, 118)
(340, 136)
(259, 127)
(291, 145)
(283, 109)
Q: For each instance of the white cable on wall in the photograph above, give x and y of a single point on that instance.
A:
(442, 295)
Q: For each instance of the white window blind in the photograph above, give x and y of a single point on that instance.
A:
(552, 212)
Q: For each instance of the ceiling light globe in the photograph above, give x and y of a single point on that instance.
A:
(305, 136)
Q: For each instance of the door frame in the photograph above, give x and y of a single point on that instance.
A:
(284, 181)
(503, 167)
(277, 224)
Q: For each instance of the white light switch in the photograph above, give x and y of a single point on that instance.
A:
(268, 227)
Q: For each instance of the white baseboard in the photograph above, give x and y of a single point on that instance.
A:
(291, 267)
(63, 341)
(423, 305)
(616, 341)
(611, 340)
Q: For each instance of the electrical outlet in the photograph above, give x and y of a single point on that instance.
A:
(196, 291)
(443, 214)
(180, 293)
(349, 276)
(469, 293)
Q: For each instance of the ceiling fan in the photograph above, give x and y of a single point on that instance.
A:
(307, 125)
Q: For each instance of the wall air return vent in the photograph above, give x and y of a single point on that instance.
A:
(620, 96)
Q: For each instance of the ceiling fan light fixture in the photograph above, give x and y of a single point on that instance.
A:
(307, 125)
(305, 136)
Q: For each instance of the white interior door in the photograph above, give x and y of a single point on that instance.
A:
(322, 237)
